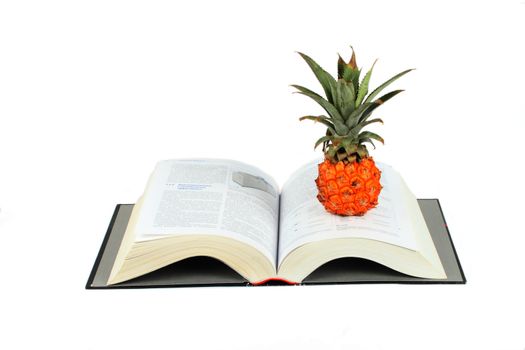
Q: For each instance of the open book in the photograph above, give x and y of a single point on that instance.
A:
(235, 213)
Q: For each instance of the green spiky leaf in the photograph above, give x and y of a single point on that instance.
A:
(385, 84)
(316, 118)
(322, 140)
(321, 119)
(347, 98)
(354, 117)
(387, 96)
(352, 76)
(336, 96)
(350, 106)
(363, 88)
(370, 135)
(368, 122)
(326, 80)
(378, 102)
(328, 107)
(366, 139)
(331, 152)
(340, 67)
(349, 71)
(343, 98)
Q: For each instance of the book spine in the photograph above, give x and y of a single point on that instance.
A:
(274, 279)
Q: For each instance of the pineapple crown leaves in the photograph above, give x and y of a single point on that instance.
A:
(349, 106)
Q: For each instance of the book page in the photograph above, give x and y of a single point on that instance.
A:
(304, 219)
(206, 196)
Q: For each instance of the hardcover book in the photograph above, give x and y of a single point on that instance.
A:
(222, 222)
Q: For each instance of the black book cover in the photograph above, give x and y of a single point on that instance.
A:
(205, 271)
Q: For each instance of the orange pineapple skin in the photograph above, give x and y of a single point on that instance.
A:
(348, 189)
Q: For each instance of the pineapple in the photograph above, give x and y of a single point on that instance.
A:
(348, 181)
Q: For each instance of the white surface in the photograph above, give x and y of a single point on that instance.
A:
(92, 94)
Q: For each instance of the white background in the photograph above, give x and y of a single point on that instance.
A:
(93, 93)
